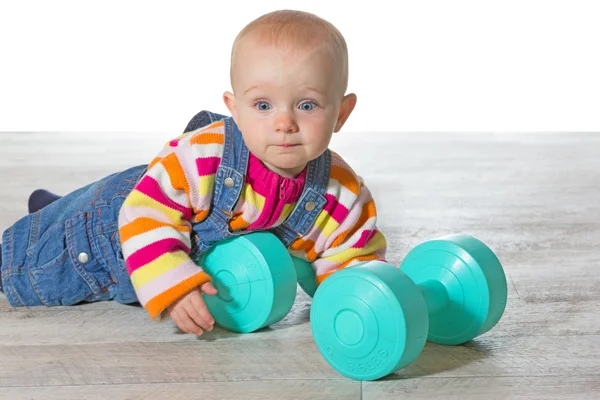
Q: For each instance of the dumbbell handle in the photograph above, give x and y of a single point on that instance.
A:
(306, 276)
(435, 295)
(434, 292)
(303, 268)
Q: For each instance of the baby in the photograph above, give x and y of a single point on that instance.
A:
(134, 236)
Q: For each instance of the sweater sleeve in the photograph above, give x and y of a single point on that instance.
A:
(345, 233)
(156, 218)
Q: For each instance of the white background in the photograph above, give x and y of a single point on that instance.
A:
(501, 66)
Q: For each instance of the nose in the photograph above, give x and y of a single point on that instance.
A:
(285, 123)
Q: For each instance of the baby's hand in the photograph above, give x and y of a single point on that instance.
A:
(190, 313)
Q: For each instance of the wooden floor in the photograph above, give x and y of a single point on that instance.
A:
(533, 198)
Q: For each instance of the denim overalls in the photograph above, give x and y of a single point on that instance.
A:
(69, 251)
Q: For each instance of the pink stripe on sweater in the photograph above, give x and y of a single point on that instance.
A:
(151, 252)
(337, 210)
(188, 162)
(207, 165)
(150, 187)
(322, 242)
(270, 213)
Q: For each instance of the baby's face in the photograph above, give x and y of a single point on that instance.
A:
(286, 104)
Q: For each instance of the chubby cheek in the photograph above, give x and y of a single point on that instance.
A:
(319, 135)
(255, 139)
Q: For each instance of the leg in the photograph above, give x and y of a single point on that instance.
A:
(43, 254)
(68, 251)
(39, 199)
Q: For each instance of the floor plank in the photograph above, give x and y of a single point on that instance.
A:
(259, 390)
(527, 387)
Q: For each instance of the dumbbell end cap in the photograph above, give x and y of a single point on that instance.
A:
(368, 320)
(473, 278)
(255, 278)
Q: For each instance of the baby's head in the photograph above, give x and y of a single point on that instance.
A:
(289, 73)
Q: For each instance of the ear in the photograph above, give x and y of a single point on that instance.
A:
(348, 104)
(229, 99)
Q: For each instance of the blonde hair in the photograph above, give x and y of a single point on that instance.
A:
(291, 28)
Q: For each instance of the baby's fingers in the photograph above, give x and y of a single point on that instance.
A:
(185, 322)
(208, 288)
(198, 311)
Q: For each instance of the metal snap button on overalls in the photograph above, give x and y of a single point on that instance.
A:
(229, 182)
(309, 206)
(83, 258)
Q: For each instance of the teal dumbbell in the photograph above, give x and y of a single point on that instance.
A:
(373, 319)
(256, 278)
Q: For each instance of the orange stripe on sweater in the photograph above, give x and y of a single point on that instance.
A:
(154, 162)
(216, 124)
(208, 138)
(145, 224)
(237, 222)
(308, 246)
(200, 215)
(346, 178)
(159, 303)
(369, 257)
(175, 172)
(368, 211)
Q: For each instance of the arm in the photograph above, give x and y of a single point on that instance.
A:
(345, 233)
(155, 223)
(356, 240)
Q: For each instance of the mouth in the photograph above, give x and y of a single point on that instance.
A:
(287, 145)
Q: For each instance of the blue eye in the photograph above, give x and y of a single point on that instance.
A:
(309, 103)
(262, 105)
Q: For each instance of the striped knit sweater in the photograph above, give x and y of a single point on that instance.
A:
(176, 191)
